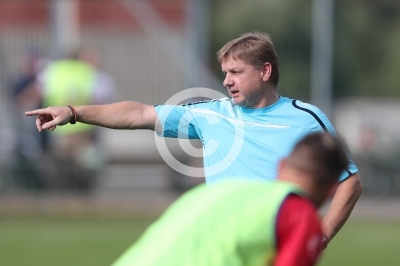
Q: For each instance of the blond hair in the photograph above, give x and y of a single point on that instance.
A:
(254, 48)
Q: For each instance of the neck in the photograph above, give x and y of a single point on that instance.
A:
(268, 98)
(272, 98)
(317, 194)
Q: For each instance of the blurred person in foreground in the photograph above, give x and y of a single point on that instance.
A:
(241, 222)
(76, 80)
(243, 136)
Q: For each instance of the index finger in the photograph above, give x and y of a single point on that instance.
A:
(37, 112)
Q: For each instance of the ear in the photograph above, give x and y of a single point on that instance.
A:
(266, 71)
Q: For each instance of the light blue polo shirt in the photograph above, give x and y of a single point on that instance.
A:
(243, 142)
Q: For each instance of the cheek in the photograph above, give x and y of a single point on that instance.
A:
(246, 84)
(251, 85)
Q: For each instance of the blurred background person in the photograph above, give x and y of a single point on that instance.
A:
(105, 90)
(29, 145)
(74, 80)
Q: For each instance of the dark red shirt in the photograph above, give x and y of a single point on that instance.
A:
(298, 232)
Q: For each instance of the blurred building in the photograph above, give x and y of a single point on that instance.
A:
(140, 42)
(370, 128)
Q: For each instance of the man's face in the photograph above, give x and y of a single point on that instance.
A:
(244, 83)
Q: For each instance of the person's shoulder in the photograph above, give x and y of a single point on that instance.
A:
(223, 106)
(295, 199)
(295, 203)
(299, 104)
(209, 102)
(302, 107)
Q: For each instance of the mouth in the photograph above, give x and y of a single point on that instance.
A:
(234, 93)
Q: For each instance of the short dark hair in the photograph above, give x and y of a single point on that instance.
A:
(320, 155)
(254, 48)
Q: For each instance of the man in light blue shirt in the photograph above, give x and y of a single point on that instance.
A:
(244, 136)
(244, 142)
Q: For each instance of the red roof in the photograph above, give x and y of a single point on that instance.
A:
(91, 12)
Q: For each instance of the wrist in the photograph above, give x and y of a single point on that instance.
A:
(73, 112)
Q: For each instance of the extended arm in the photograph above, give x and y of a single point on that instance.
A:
(122, 115)
(346, 196)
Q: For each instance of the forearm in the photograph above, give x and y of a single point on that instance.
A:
(122, 115)
(346, 197)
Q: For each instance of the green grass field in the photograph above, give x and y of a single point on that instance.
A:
(365, 243)
(59, 241)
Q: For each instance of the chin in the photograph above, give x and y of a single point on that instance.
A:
(239, 102)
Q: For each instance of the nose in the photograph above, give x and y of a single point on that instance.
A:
(228, 82)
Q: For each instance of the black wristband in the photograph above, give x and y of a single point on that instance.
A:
(73, 118)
